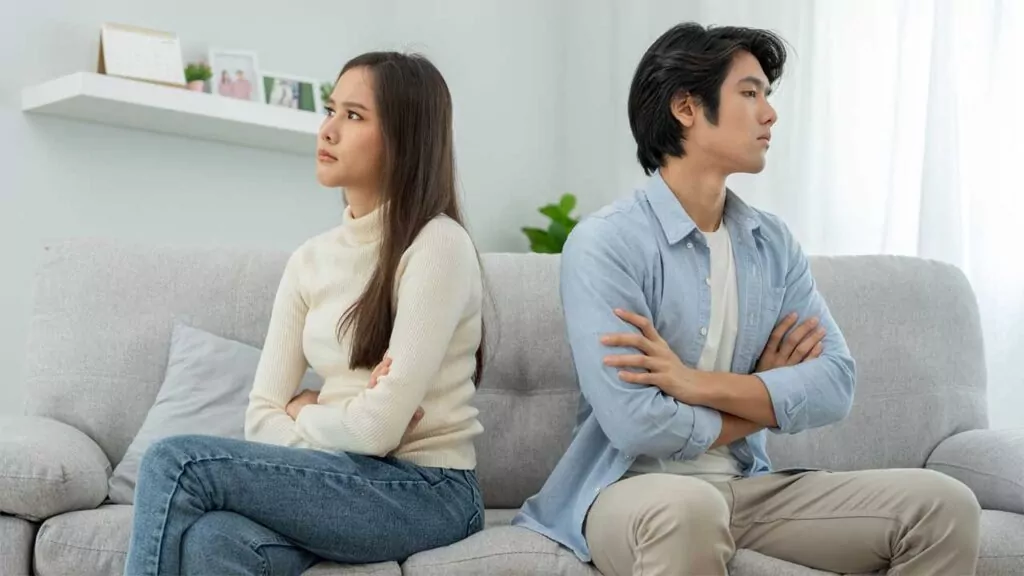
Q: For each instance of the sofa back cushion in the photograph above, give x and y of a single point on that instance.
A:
(104, 314)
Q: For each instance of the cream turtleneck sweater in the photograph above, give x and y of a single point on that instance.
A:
(437, 331)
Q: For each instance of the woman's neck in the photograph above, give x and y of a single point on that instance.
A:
(361, 201)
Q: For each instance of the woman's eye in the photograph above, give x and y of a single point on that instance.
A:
(354, 116)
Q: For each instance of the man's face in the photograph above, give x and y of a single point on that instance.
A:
(739, 141)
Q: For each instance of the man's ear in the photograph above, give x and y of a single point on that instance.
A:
(685, 108)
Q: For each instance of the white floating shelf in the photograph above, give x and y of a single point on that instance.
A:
(169, 110)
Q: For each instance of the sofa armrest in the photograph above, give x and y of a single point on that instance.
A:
(989, 462)
(48, 468)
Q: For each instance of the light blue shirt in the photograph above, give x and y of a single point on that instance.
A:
(645, 254)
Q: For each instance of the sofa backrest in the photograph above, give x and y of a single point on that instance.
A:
(103, 313)
(101, 325)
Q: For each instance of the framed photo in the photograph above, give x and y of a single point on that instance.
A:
(236, 74)
(291, 92)
(140, 54)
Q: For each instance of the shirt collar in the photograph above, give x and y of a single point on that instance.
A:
(677, 224)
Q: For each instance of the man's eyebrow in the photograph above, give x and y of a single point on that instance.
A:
(760, 84)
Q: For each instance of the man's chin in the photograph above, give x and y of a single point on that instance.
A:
(755, 166)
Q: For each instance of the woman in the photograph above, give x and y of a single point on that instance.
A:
(386, 307)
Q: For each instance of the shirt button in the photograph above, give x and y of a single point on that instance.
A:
(707, 281)
(703, 331)
(689, 244)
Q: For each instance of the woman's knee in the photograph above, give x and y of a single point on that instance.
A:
(214, 544)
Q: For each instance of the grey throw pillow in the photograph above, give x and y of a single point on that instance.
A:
(205, 391)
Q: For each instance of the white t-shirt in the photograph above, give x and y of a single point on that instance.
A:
(716, 464)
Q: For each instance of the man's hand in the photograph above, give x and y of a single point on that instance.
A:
(664, 369)
(303, 399)
(383, 369)
(803, 343)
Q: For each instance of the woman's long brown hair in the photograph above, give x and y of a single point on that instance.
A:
(417, 184)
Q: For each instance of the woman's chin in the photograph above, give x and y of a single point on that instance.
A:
(328, 179)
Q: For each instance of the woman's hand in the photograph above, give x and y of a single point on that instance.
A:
(383, 369)
(303, 399)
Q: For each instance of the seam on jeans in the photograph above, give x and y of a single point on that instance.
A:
(311, 470)
(1002, 557)
(166, 513)
(264, 564)
(978, 472)
(80, 547)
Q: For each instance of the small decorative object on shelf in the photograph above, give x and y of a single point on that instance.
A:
(291, 92)
(550, 241)
(236, 74)
(196, 74)
(140, 54)
(326, 88)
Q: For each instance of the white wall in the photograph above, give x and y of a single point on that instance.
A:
(59, 178)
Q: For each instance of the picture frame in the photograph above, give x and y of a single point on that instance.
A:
(290, 91)
(236, 74)
(140, 54)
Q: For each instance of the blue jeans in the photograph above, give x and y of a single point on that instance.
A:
(207, 505)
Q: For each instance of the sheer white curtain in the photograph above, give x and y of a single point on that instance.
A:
(901, 132)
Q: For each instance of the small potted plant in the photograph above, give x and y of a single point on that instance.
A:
(550, 241)
(196, 74)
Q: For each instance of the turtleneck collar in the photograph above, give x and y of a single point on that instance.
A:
(363, 230)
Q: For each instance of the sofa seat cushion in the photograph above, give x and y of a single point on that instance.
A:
(499, 551)
(92, 542)
(16, 537)
(1002, 544)
(85, 542)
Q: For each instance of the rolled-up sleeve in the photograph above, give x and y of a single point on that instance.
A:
(817, 392)
(600, 272)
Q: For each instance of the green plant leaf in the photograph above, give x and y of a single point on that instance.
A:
(558, 235)
(536, 235)
(554, 212)
(567, 203)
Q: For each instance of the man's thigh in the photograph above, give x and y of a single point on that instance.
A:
(657, 523)
(838, 521)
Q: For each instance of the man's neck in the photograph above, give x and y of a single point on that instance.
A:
(699, 190)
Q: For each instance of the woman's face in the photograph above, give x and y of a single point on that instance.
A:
(350, 151)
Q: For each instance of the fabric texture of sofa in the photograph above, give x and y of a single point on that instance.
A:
(98, 347)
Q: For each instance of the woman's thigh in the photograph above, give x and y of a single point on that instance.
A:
(344, 507)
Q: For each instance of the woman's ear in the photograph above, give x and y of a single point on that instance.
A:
(685, 109)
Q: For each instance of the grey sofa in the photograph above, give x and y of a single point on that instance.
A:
(98, 346)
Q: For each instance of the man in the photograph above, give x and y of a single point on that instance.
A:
(679, 303)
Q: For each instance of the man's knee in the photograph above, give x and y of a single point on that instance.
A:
(945, 501)
(689, 504)
(663, 521)
(661, 503)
